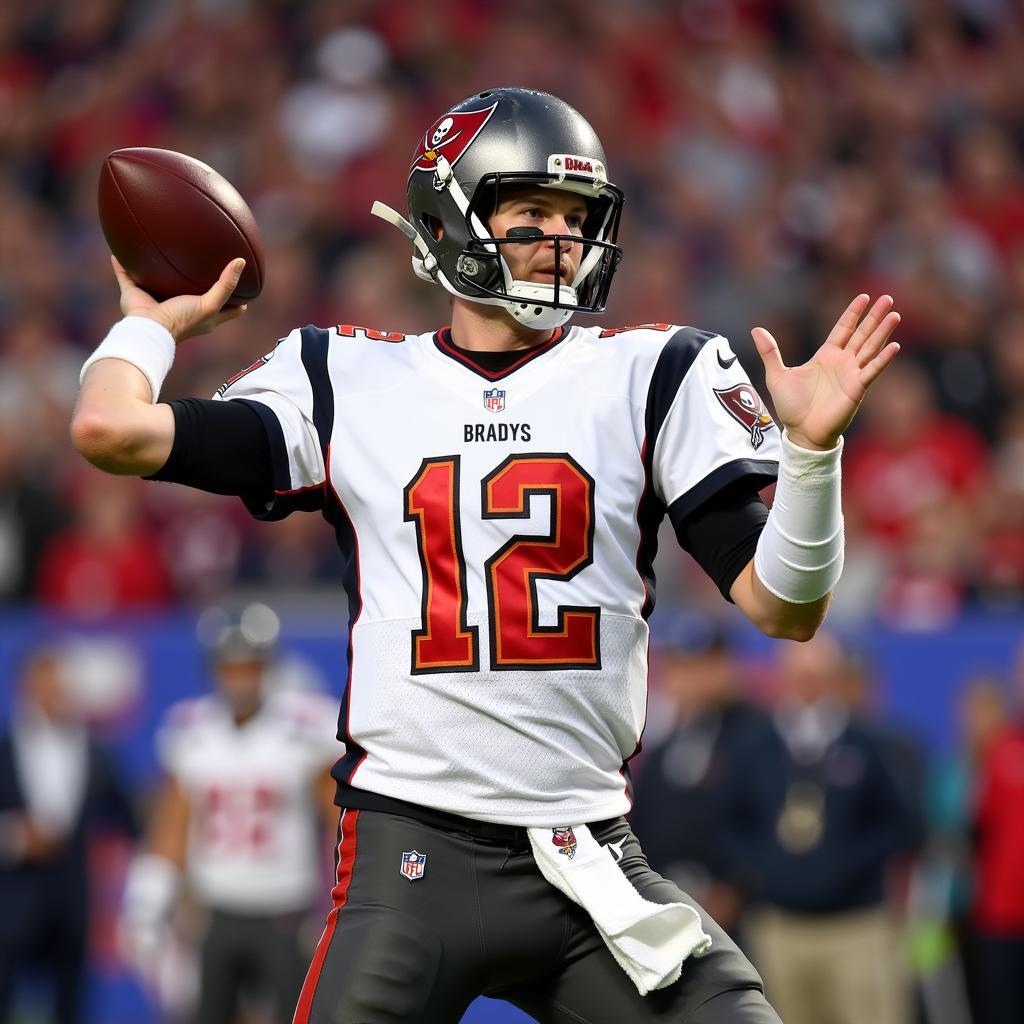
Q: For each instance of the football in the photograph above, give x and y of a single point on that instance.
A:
(174, 223)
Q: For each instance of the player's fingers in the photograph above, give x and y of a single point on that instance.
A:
(879, 363)
(123, 280)
(229, 313)
(876, 341)
(768, 349)
(847, 323)
(221, 291)
(867, 327)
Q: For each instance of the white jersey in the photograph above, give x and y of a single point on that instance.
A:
(499, 530)
(254, 840)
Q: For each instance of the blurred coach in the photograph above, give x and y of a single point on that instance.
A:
(814, 820)
(55, 783)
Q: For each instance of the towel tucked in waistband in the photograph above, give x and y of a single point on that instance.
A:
(649, 940)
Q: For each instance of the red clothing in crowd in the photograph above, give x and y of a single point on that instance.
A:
(887, 486)
(999, 900)
(81, 575)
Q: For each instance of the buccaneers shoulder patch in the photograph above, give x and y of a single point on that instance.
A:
(747, 408)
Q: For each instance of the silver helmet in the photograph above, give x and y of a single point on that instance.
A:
(493, 141)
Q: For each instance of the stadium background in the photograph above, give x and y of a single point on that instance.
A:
(777, 157)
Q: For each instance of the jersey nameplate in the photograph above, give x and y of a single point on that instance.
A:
(496, 432)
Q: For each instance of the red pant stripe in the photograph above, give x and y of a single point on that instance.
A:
(339, 896)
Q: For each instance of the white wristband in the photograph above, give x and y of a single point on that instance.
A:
(144, 343)
(799, 555)
(151, 888)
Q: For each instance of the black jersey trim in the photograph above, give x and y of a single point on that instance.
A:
(673, 364)
(351, 577)
(763, 470)
(353, 798)
(444, 344)
(650, 511)
(315, 347)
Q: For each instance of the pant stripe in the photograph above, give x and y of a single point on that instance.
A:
(339, 896)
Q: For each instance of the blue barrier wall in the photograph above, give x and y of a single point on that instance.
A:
(919, 678)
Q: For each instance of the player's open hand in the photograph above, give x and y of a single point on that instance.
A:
(816, 401)
(185, 316)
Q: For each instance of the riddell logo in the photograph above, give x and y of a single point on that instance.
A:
(572, 164)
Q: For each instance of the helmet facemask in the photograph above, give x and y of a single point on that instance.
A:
(483, 274)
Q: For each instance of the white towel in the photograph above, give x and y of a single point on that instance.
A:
(649, 940)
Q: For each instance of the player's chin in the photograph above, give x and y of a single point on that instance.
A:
(549, 277)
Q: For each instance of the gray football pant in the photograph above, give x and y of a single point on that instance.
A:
(263, 952)
(482, 920)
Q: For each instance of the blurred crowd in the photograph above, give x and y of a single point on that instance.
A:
(778, 157)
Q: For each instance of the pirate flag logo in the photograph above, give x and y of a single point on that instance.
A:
(745, 406)
(450, 137)
(565, 839)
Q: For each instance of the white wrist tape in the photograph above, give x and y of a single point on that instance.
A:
(150, 889)
(144, 343)
(799, 555)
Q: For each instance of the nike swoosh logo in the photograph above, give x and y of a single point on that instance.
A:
(724, 363)
(616, 849)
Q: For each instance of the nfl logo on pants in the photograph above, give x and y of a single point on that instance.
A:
(413, 865)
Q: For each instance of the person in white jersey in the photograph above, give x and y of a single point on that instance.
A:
(496, 489)
(240, 821)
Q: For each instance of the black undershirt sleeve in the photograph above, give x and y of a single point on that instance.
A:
(221, 447)
(721, 534)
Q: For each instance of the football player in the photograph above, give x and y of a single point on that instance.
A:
(239, 821)
(496, 488)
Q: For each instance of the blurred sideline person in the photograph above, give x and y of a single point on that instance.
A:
(56, 785)
(813, 823)
(496, 488)
(945, 892)
(998, 910)
(677, 809)
(239, 820)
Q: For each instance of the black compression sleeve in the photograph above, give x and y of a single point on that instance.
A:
(221, 447)
(722, 533)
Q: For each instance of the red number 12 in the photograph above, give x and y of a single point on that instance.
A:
(445, 643)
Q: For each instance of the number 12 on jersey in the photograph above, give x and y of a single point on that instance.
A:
(445, 642)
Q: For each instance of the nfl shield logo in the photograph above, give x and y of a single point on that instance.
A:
(494, 400)
(413, 865)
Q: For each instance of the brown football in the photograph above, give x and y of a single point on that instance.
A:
(174, 223)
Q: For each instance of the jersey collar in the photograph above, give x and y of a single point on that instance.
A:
(443, 342)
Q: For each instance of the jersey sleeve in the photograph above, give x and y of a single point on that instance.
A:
(289, 389)
(706, 425)
(172, 736)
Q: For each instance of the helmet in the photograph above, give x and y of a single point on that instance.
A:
(250, 636)
(489, 142)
